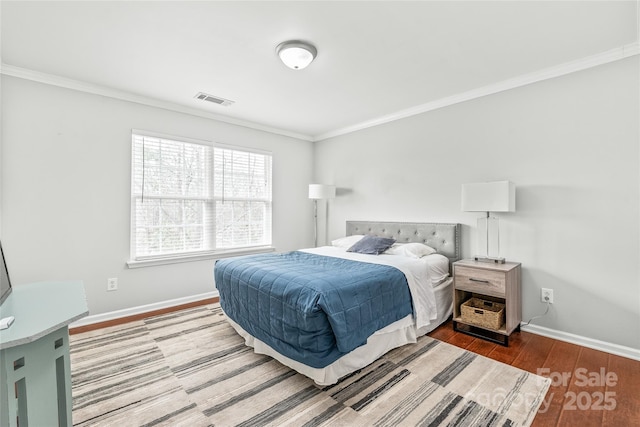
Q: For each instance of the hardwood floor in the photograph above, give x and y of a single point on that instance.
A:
(140, 316)
(590, 387)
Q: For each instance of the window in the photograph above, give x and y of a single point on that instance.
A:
(192, 198)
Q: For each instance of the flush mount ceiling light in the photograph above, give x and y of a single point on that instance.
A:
(296, 54)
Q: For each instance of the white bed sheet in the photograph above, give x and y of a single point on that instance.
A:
(418, 271)
(432, 296)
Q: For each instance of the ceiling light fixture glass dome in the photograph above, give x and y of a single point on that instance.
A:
(296, 54)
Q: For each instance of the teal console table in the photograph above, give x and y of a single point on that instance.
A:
(34, 353)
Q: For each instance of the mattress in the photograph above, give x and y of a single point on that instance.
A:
(309, 307)
(395, 335)
(431, 293)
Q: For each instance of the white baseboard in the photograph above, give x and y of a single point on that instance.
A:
(98, 318)
(619, 350)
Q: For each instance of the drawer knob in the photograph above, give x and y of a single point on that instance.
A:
(478, 280)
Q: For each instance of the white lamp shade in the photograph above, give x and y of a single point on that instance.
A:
(322, 191)
(497, 196)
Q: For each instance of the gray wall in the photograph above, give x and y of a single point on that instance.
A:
(571, 146)
(65, 175)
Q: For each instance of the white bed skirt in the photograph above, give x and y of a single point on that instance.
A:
(395, 335)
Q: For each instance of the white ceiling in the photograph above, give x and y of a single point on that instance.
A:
(374, 58)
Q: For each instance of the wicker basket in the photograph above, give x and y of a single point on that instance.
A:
(488, 314)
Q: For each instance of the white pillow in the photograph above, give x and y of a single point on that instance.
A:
(347, 242)
(411, 250)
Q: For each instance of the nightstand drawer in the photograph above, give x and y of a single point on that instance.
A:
(480, 281)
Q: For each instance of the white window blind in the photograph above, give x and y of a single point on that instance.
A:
(191, 198)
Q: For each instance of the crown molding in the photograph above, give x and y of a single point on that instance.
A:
(606, 57)
(54, 80)
(631, 49)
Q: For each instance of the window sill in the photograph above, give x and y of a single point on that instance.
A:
(199, 257)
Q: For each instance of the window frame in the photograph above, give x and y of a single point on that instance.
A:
(136, 261)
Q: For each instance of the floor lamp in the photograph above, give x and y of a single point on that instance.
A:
(318, 192)
(497, 196)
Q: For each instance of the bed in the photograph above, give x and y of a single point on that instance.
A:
(326, 312)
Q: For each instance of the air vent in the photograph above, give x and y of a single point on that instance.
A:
(213, 99)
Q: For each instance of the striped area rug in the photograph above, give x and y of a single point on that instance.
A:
(190, 368)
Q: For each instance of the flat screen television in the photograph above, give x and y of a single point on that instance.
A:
(5, 283)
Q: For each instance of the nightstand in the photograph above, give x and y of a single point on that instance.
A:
(493, 283)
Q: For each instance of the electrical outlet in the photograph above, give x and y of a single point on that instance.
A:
(546, 295)
(112, 284)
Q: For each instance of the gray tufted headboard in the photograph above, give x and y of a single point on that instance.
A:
(445, 238)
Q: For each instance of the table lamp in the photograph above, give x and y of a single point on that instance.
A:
(497, 196)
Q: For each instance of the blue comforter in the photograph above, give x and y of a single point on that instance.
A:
(311, 308)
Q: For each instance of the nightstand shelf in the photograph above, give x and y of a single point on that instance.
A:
(490, 282)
